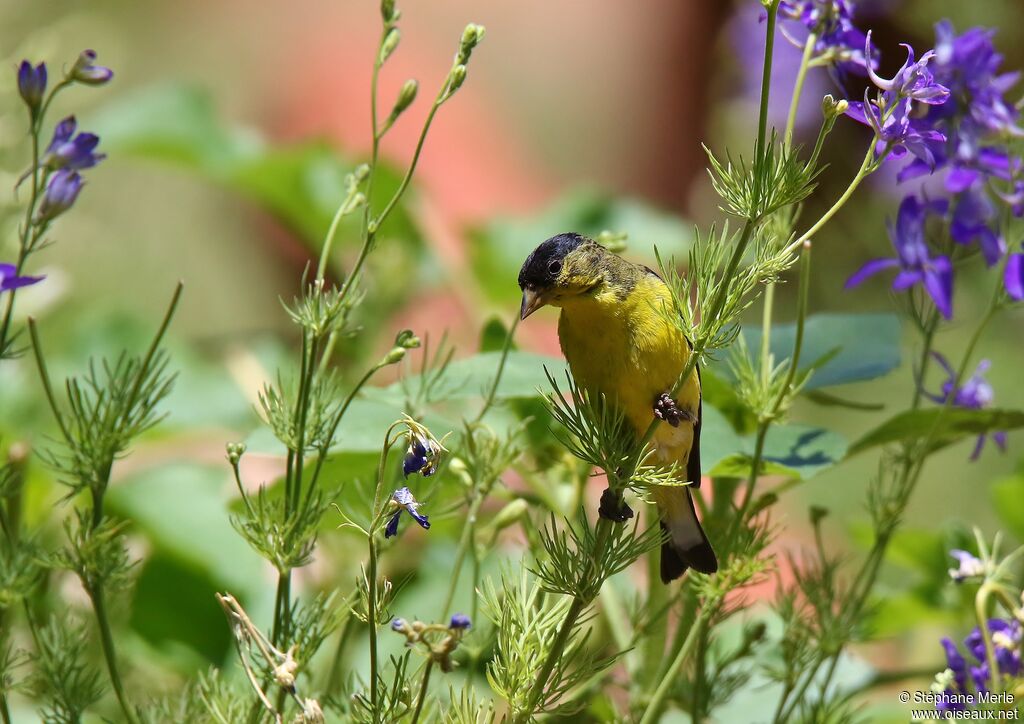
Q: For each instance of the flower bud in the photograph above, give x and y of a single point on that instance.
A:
(60, 195)
(396, 355)
(405, 97)
(361, 173)
(87, 72)
(388, 45)
(456, 78)
(388, 12)
(471, 38)
(818, 514)
(407, 339)
(32, 84)
(831, 108)
(235, 452)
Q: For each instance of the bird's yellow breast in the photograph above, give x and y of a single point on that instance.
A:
(621, 344)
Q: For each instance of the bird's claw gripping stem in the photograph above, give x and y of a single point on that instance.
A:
(613, 507)
(667, 409)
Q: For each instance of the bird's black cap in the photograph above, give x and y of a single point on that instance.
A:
(543, 265)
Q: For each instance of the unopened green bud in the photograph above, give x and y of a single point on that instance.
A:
(396, 355)
(831, 108)
(818, 514)
(471, 38)
(407, 339)
(510, 514)
(405, 97)
(388, 12)
(235, 452)
(388, 45)
(362, 172)
(456, 78)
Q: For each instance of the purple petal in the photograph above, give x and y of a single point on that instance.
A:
(939, 282)
(1013, 278)
(869, 269)
(906, 279)
(960, 179)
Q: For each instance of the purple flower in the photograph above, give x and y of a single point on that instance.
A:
(9, 278)
(460, 622)
(1013, 277)
(969, 566)
(402, 499)
(421, 457)
(956, 663)
(832, 22)
(32, 84)
(86, 71)
(67, 150)
(1006, 638)
(897, 131)
(974, 394)
(913, 258)
(972, 214)
(59, 196)
(914, 80)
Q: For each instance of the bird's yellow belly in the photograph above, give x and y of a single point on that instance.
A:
(631, 355)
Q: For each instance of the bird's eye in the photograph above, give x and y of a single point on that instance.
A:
(555, 267)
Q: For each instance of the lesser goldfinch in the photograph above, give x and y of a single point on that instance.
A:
(619, 343)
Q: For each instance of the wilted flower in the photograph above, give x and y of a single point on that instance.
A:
(32, 84)
(402, 499)
(67, 150)
(9, 278)
(60, 194)
(86, 71)
(974, 394)
(422, 455)
(913, 258)
(970, 566)
(460, 621)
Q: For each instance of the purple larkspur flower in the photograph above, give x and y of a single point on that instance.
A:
(897, 130)
(67, 150)
(60, 194)
(460, 622)
(913, 259)
(32, 84)
(1013, 277)
(913, 80)
(9, 278)
(421, 457)
(832, 23)
(969, 566)
(403, 500)
(86, 71)
(957, 666)
(1006, 639)
(974, 394)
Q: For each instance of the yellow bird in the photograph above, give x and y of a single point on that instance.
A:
(618, 342)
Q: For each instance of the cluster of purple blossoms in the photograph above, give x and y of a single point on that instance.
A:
(837, 38)
(68, 152)
(973, 394)
(956, 681)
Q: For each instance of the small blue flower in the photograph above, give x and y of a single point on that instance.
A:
(974, 394)
(399, 625)
(9, 278)
(913, 258)
(421, 457)
(460, 622)
(59, 196)
(32, 84)
(402, 499)
(86, 71)
(67, 150)
(969, 566)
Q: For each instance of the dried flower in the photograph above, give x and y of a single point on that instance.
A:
(403, 500)
(86, 71)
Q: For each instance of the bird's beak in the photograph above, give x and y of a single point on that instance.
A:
(532, 301)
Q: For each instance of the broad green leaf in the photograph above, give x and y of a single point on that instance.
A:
(301, 183)
(946, 426)
(182, 510)
(866, 346)
(500, 246)
(796, 451)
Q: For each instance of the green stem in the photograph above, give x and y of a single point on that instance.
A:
(465, 541)
(371, 621)
(798, 88)
(493, 391)
(657, 703)
(423, 691)
(96, 594)
(980, 610)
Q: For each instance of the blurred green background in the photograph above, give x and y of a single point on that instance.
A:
(229, 128)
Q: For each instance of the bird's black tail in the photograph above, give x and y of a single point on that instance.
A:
(686, 545)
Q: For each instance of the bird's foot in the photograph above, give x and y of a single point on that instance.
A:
(613, 507)
(667, 409)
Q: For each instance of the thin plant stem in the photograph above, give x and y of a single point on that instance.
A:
(423, 691)
(657, 703)
(107, 640)
(493, 390)
(798, 88)
(465, 541)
